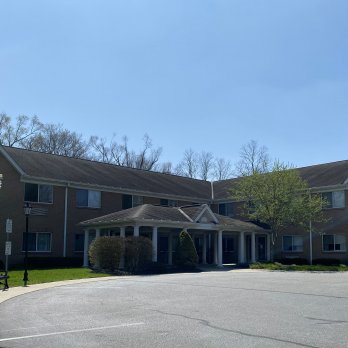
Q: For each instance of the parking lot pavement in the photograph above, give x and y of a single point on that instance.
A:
(209, 309)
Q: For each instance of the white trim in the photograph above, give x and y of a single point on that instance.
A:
(65, 221)
(209, 211)
(186, 216)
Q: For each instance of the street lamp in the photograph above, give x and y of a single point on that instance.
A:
(27, 211)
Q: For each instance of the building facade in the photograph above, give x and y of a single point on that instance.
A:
(64, 192)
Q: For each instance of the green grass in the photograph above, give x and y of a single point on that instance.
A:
(38, 276)
(275, 266)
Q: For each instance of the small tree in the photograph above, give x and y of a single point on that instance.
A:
(105, 252)
(186, 254)
(138, 253)
(279, 198)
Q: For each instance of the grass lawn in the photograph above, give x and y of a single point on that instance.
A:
(37, 276)
(275, 266)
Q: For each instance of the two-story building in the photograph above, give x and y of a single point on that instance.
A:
(115, 200)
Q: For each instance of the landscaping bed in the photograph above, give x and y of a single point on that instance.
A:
(276, 266)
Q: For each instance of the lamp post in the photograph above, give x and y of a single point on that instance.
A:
(27, 211)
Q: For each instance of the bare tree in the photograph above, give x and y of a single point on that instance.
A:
(21, 130)
(222, 169)
(54, 139)
(253, 159)
(189, 165)
(205, 165)
(119, 153)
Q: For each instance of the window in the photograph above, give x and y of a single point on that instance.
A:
(334, 242)
(226, 209)
(129, 201)
(38, 241)
(38, 193)
(79, 242)
(88, 199)
(334, 199)
(137, 200)
(293, 243)
(168, 203)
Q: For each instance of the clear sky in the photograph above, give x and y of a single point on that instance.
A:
(203, 74)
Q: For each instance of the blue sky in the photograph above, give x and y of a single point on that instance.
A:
(207, 75)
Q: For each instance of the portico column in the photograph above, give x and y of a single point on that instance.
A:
(85, 249)
(154, 244)
(253, 258)
(97, 233)
(241, 255)
(170, 249)
(122, 235)
(268, 247)
(136, 231)
(220, 249)
(215, 248)
(204, 251)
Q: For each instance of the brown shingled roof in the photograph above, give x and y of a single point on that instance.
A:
(62, 168)
(319, 175)
(148, 212)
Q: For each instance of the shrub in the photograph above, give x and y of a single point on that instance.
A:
(186, 254)
(138, 254)
(105, 252)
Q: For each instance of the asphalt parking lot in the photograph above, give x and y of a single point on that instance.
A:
(210, 309)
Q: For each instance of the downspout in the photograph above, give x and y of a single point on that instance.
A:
(212, 191)
(65, 221)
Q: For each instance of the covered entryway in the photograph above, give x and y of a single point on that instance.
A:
(218, 239)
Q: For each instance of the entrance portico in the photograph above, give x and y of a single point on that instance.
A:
(218, 239)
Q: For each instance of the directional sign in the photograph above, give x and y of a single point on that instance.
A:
(8, 247)
(8, 226)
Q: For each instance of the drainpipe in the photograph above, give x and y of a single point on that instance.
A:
(65, 221)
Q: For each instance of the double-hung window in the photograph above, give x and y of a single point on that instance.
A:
(129, 201)
(333, 199)
(38, 193)
(292, 243)
(168, 202)
(38, 241)
(88, 199)
(334, 242)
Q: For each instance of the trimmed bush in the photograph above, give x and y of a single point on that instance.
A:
(186, 254)
(138, 254)
(105, 252)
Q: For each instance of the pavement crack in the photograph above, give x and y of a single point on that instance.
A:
(322, 321)
(209, 324)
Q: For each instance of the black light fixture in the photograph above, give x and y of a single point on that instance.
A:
(27, 211)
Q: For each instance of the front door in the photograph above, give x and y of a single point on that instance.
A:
(261, 248)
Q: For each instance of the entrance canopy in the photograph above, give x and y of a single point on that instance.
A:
(163, 224)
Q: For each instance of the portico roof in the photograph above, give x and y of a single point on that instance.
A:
(193, 216)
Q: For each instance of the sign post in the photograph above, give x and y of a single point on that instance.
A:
(8, 244)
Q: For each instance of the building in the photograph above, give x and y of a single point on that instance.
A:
(74, 198)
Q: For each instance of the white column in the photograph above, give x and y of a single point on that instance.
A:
(122, 235)
(204, 251)
(136, 231)
(97, 233)
(154, 243)
(253, 244)
(170, 249)
(85, 249)
(220, 249)
(241, 247)
(215, 248)
(268, 247)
